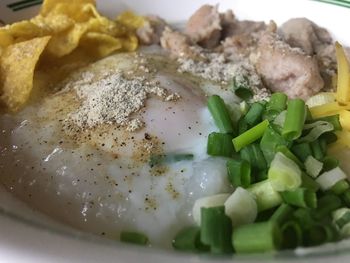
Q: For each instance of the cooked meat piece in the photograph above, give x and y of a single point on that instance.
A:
(227, 22)
(303, 33)
(287, 69)
(151, 31)
(177, 43)
(242, 43)
(244, 27)
(204, 26)
(314, 40)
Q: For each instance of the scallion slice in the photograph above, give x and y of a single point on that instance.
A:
(266, 196)
(284, 149)
(292, 235)
(302, 151)
(220, 114)
(269, 141)
(329, 163)
(254, 114)
(277, 103)
(284, 174)
(250, 135)
(346, 197)
(295, 118)
(313, 166)
(207, 201)
(317, 129)
(334, 120)
(253, 154)
(239, 172)
(188, 239)
(330, 178)
(241, 88)
(300, 197)
(341, 217)
(216, 229)
(241, 207)
(220, 144)
(326, 205)
(257, 237)
(318, 234)
(309, 183)
(317, 150)
(282, 214)
(340, 187)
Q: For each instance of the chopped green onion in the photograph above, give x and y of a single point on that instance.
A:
(239, 172)
(220, 114)
(253, 154)
(169, 158)
(317, 129)
(326, 205)
(254, 114)
(346, 197)
(317, 150)
(302, 151)
(300, 197)
(220, 144)
(188, 239)
(309, 183)
(304, 217)
(241, 88)
(330, 178)
(260, 176)
(318, 234)
(257, 237)
(284, 174)
(266, 196)
(244, 107)
(241, 207)
(216, 229)
(134, 238)
(282, 214)
(292, 235)
(308, 114)
(250, 135)
(334, 120)
(341, 217)
(207, 201)
(329, 137)
(313, 166)
(269, 141)
(340, 187)
(280, 119)
(242, 126)
(277, 103)
(296, 114)
(284, 149)
(329, 163)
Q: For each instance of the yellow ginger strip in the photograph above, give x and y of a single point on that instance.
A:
(343, 89)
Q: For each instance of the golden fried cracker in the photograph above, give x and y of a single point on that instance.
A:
(17, 65)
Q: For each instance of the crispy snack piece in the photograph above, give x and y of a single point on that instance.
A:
(17, 67)
(62, 27)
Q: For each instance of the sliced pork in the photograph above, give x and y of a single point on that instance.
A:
(151, 31)
(204, 26)
(287, 69)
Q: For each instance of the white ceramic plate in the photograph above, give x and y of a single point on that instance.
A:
(23, 236)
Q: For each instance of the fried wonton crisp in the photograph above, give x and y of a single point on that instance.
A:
(17, 67)
(61, 28)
